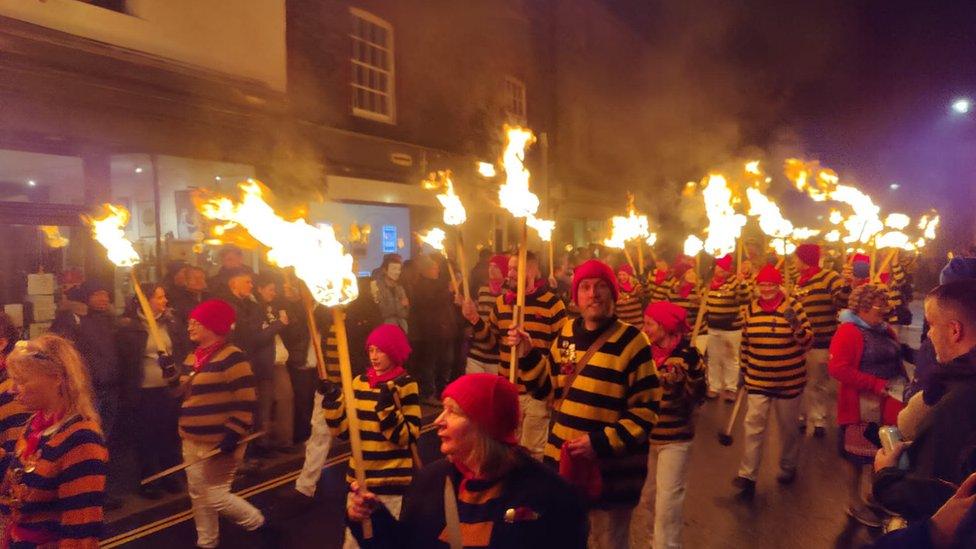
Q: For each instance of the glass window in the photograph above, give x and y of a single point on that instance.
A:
(372, 67)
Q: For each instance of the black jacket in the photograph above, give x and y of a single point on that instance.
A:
(562, 519)
(93, 334)
(183, 302)
(254, 333)
(132, 339)
(943, 452)
(432, 310)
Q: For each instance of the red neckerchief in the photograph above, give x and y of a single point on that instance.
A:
(771, 305)
(660, 354)
(807, 274)
(495, 286)
(718, 281)
(884, 278)
(466, 475)
(660, 276)
(376, 378)
(510, 295)
(201, 355)
(38, 424)
(685, 289)
(628, 287)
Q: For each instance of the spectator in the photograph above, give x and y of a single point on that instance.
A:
(507, 498)
(276, 408)
(952, 526)
(231, 263)
(155, 411)
(433, 329)
(944, 450)
(865, 358)
(58, 474)
(185, 299)
(480, 275)
(175, 277)
(388, 292)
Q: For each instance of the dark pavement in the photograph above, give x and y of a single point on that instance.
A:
(807, 514)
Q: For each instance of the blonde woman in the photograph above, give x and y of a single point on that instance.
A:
(55, 483)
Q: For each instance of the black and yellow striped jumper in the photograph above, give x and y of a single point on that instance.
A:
(484, 348)
(675, 419)
(772, 355)
(386, 430)
(219, 400)
(13, 418)
(724, 306)
(822, 298)
(544, 316)
(658, 292)
(615, 399)
(690, 303)
(630, 306)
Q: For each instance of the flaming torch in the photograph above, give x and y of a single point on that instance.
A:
(435, 239)
(724, 224)
(515, 196)
(544, 228)
(109, 230)
(454, 215)
(692, 248)
(318, 259)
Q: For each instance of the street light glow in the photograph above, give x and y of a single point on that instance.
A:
(894, 186)
(962, 105)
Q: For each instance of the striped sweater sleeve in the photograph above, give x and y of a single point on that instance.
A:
(401, 425)
(335, 417)
(81, 486)
(804, 332)
(240, 380)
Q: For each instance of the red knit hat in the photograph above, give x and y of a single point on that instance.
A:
(724, 262)
(626, 268)
(809, 254)
(216, 315)
(500, 261)
(682, 264)
(671, 317)
(390, 339)
(861, 258)
(594, 268)
(490, 401)
(769, 274)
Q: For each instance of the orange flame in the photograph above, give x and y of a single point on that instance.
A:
(109, 230)
(514, 194)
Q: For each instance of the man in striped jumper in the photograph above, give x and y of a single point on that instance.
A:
(774, 344)
(544, 316)
(726, 296)
(823, 294)
(483, 353)
(604, 407)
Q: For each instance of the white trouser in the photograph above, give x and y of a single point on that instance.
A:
(663, 497)
(475, 366)
(535, 425)
(610, 529)
(817, 392)
(316, 450)
(701, 343)
(392, 503)
(209, 485)
(723, 359)
(758, 408)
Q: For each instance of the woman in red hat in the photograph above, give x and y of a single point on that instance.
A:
(388, 407)
(217, 387)
(485, 492)
(659, 515)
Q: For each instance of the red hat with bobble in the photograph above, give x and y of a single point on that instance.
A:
(809, 254)
(769, 274)
(671, 317)
(216, 315)
(594, 268)
(490, 401)
(500, 261)
(390, 339)
(626, 268)
(724, 262)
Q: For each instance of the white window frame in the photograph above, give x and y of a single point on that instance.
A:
(390, 93)
(515, 95)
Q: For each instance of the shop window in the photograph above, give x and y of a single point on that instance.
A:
(515, 99)
(372, 67)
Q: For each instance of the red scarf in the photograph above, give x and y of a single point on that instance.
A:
(660, 354)
(376, 378)
(495, 286)
(38, 424)
(884, 278)
(510, 295)
(770, 305)
(626, 287)
(685, 289)
(201, 355)
(807, 274)
(718, 281)
(660, 276)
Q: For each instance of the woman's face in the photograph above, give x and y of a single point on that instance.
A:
(876, 313)
(455, 430)
(655, 333)
(158, 301)
(268, 292)
(378, 359)
(623, 278)
(34, 390)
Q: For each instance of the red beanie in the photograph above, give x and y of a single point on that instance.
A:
(861, 258)
(724, 262)
(626, 268)
(490, 401)
(769, 274)
(216, 315)
(809, 254)
(500, 261)
(671, 317)
(390, 339)
(682, 264)
(594, 268)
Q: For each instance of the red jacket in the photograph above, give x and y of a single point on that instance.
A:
(845, 358)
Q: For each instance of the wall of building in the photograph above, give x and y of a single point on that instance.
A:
(244, 38)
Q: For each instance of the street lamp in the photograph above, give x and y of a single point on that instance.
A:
(962, 105)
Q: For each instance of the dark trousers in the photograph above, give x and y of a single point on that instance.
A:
(432, 362)
(157, 439)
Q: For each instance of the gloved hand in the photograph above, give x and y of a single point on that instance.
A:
(229, 443)
(168, 364)
(330, 391)
(385, 398)
(790, 315)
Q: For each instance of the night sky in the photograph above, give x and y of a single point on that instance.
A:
(863, 86)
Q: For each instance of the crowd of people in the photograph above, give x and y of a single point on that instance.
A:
(591, 442)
